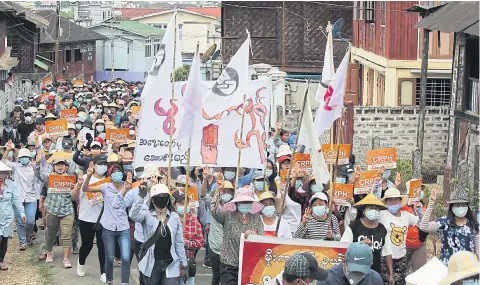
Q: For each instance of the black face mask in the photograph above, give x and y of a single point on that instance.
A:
(160, 202)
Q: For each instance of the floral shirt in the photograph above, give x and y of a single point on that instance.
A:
(455, 238)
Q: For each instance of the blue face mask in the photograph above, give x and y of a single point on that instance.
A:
(470, 282)
(386, 173)
(181, 210)
(139, 174)
(394, 208)
(268, 211)
(316, 188)
(100, 169)
(319, 210)
(117, 177)
(244, 208)
(298, 184)
(268, 173)
(24, 160)
(340, 180)
(372, 215)
(259, 185)
(229, 175)
(422, 194)
(127, 167)
(226, 197)
(33, 153)
(10, 155)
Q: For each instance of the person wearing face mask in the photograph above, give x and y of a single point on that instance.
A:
(458, 230)
(396, 222)
(355, 269)
(9, 133)
(315, 224)
(89, 214)
(114, 219)
(26, 127)
(193, 232)
(23, 177)
(463, 269)
(258, 183)
(17, 117)
(300, 192)
(162, 257)
(240, 215)
(99, 127)
(367, 229)
(95, 147)
(230, 172)
(272, 205)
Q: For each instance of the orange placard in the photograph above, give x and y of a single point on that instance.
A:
(97, 197)
(192, 194)
(61, 183)
(302, 161)
(414, 187)
(365, 183)
(342, 193)
(69, 114)
(283, 175)
(61, 79)
(42, 98)
(384, 157)
(47, 81)
(119, 135)
(330, 154)
(135, 111)
(78, 83)
(56, 128)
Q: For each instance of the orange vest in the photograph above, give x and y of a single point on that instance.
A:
(413, 233)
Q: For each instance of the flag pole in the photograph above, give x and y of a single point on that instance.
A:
(173, 98)
(287, 183)
(241, 139)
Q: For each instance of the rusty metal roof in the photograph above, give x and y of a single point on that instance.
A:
(462, 16)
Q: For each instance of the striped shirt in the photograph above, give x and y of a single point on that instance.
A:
(316, 229)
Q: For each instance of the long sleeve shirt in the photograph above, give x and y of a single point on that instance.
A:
(316, 229)
(302, 198)
(24, 179)
(130, 199)
(193, 236)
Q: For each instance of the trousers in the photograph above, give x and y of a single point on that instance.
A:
(88, 234)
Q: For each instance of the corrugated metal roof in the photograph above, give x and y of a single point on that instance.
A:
(140, 28)
(459, 16)
(8, 6)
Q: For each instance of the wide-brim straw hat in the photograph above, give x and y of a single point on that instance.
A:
(395, 193)
(268, 195)
(459, 195)
(4, 167)
(243, 195)
(370, 200)
(462, 265)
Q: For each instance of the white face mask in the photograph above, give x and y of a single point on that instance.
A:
(460, 211)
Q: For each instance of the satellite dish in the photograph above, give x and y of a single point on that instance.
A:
(337, 26)
(215, 55)
(208, 53)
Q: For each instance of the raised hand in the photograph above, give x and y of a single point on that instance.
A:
(91, 169)
(128, 182)
(434, 194)
(306, 215)
(80, 177)
(38, 158)
(205, 172)
(398, 180)
(279, 125)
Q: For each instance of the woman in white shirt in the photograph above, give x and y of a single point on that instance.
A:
(272, 205)
(396, 222)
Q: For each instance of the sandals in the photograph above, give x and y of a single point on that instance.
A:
(3, 267)
(23, 247)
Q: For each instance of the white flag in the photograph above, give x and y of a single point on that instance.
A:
(328, 69)
(231, 86)
(162, 65)
(192, 103)
(308, 137)
(332, 102)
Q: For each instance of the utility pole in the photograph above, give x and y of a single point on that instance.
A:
(112, 52)
(423, 94)
(283, 38)
(57, 41)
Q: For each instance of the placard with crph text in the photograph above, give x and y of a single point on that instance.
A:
(342, 150)
(69, 114)
(414, 187)
(342, 193)
(56, 128)
(384, 157)
(61, 184)
(97, 197)
(118, 135)
(365, 183)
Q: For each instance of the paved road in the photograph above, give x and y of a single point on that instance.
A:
(63, 276)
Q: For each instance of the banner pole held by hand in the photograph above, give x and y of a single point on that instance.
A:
(172, 100)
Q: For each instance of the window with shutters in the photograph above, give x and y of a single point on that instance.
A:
(380, 90)
(361, 34)
(371, 37)
(369, 8)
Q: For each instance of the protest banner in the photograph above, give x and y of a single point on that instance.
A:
(330, 155)
(365, 183)
(69, 115)
(215, 140)
(283, 175)
(263, 258)
(118, 135)
(61, 79)
(414, 187)
(56, 128)
(135, 111)
(47, 80)
(78, 83)
(302, 161)
(42, 98)
(384, 157)
(342, 193)
(97, 197)
(61, 184)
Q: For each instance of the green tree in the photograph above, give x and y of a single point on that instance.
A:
(181, 74)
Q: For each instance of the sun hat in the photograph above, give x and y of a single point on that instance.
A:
(395, 193)
(99, 121)
(59, 158)
(268, 195)
(458, 196)
(284, 149)
(258, 174)
(304, 265)
(283, 158)
(42, 107)
(149, 170)
(50, 116)
(227, 184)
(4, 167)
(359, 258)
(158, 189)
(319, 195)
(243, 195)
(23, 152)
(461, 265)
(370, 199)
(112, 157)
(182, 179)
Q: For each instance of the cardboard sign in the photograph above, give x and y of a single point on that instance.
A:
(77, 83)
(341, 193)
(69, 114)
(61, 184)
(135, 111)
(385, 157)
(302, 161)
(414, 187)
(262, 258)
(365, 183)
(61, 79)
(343, 151)
(56, 128)
(97, 197)
(283, 175)
(47, 81)
(119, 135)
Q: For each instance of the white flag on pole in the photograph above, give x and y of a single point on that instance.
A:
(328, 71)
(192, 104)
(308, 137)
(332, 102)
(232, 84)
(162, 64)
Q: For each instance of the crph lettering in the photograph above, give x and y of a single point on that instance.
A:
(382, 158)
(365, 182)
(55, 129)
(62, 184)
